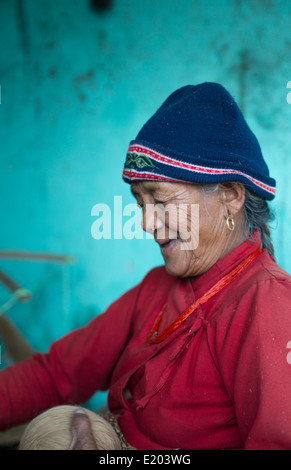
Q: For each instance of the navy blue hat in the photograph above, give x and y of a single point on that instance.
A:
(199, 135)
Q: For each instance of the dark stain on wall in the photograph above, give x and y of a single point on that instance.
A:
(21, 20)
(101, 6)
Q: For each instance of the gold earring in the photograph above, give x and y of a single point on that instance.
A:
(230, 222)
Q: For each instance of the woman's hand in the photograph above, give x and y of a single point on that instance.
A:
(82, 435)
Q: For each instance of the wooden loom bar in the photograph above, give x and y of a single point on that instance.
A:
(32, 256)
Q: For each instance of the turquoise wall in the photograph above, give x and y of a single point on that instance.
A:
(76, 85)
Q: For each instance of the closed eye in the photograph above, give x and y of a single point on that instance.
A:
(156, 202)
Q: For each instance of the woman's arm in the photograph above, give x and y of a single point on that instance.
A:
(76, 366)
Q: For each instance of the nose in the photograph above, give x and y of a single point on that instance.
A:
(151, 218)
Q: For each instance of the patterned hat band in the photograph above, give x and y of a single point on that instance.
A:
(199, 135)
(142, 163)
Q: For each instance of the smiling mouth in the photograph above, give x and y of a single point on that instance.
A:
(165, 245)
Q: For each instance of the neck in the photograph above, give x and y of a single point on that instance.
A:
(232, 240)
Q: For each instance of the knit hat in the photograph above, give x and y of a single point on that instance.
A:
(199, 135)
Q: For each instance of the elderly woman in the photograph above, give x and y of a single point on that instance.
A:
(196, 355)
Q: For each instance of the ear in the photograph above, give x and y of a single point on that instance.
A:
(233, 197)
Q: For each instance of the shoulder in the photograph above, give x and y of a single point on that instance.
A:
(261, 294)
(254, 317)
(264, 278)
(261, 301)
(269, 283)
(271, 270)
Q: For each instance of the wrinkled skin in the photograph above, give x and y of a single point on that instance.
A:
(215, 240)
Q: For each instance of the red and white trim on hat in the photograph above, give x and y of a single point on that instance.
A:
(158, 157)
(146, 175)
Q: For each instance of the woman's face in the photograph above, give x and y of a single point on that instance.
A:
(189, 225)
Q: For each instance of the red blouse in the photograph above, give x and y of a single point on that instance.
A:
(222, 380)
